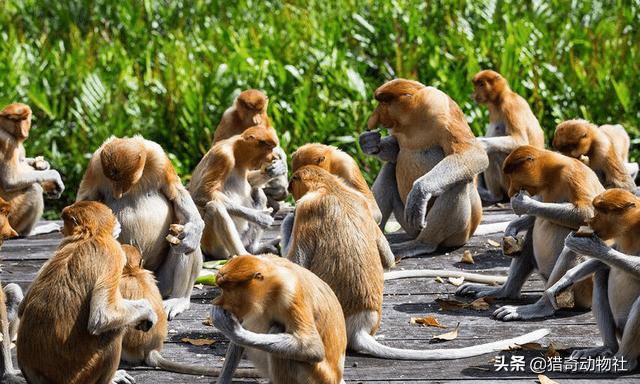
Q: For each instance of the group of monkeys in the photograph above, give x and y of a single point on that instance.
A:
(96, 301)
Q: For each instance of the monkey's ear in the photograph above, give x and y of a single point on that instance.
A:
(320, 160)
(258, 276)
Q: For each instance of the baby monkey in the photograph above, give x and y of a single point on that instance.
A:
(616, 294)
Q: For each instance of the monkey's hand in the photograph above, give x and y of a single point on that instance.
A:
(122, 377)
(522, 203)
(484, 143)
(40, 164)
(277, 168)
(586, 246)
(370, 142)
(147, 318)
(226, 322)
(415, 212)
(54, 176)
(263, 218)
(189, 239)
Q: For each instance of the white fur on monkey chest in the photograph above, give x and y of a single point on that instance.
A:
(548, 242)
(621, 281)
(238, 189)
(413, 164)
(145, 220)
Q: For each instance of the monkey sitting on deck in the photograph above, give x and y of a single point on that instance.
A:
(73, 316)
(250, 109)
(288, 319)
(136, 179)
(566, 187)
(144, 347)
(511, 124)
(616, 294)
(22, 179)
(235, 213)
(606, 148)
(10, 298)
(433, 160)
(339, 241)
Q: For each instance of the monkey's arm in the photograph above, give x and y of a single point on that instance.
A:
(501, 144)
(594, 247)
(301, 345)
(386, 255)
(260, 217)
(453, 169)
(522, 223)
(385, 149)
(231, 361)
(278, 167)
(565, 214)
(572, 276)
(13, 180)
(187, 214)
(286, 230)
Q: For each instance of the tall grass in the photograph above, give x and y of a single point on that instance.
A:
(168, 69)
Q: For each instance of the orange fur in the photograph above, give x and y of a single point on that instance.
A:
(263, 290)
(617, 217)
(249, 109)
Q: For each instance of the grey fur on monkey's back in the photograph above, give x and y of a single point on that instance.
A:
(403, 299)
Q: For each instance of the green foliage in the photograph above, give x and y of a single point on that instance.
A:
(168, 69)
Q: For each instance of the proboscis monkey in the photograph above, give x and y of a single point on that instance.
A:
(288, 320)
(566, 187)
(606, 147)
(136, 179)
(250, 109)
(337, 241)
(511, 124)
(234, 211)
(22, 179)
(139, 347)
(73, 316)
(10, 298)
(616, 294)
(338, 163)
(432, 161)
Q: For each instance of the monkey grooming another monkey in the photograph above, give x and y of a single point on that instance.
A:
(23, 179)
(288, 319)
(607, 148)
(73, 316)
(10, 298)
(144, 347)
(136, 179)
(566, 187)
(234, 212)
(335, 239)
(250, 109)
(616, 294)
(428, 182)
(511, 124)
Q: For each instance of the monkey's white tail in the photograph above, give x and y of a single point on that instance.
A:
(473, 277)
(363, 342)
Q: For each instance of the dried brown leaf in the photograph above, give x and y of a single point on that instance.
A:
(439, 279)
(428, 321)
(450, 304)
(480, 304)
(207, 322)
(545, 380)
(448, 336)
(493, 243)
(467, 258)
(197, 342)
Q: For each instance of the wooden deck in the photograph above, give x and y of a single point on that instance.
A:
(403, 299)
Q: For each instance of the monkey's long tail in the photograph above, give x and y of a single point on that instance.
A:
(362, 342)
(474, 277)
(155, 359)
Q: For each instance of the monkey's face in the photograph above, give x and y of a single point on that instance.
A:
(6, 231)
(396, 104)
(244, 286)
(89, 218)
(258, 143)
(613, 211)
(297, 186)
(522, 170)
(251, 104)
(16, 119)
(487, 86)
(572, 139)
(123, 162)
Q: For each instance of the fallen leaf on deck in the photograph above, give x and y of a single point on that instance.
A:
(439, 279)
(450, 304)
(457, 281)
(429, 321)
(447, 336)
(207, 322)
(480, 304)
(493, 242)
(552, 351)
(467, 258)
(545, 380)
(197, 342)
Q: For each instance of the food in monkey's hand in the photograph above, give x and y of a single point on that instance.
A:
(512, 245)
(584, 231)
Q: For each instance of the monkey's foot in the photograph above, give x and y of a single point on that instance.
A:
(592, 352)
(412, 248)
(270, 246)
(44, 229)
(477, 291)
(122, 377)
(541, 308)
(174, 307)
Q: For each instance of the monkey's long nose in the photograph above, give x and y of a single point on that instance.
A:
(372, 123)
